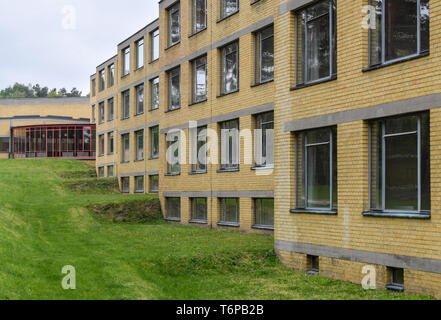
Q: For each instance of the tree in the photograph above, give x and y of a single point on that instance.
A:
(19, 90)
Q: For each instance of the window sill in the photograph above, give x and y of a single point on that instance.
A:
(173, 219)
(227, 93)
(309, 84)
(153, 61)
(229, 224)
(312, 272)
(226, 17)
(262, 227)
(139, 114)
(173, 45)
(139, 68)
(191, 173)
(425, 215)
(228, 170)
(197, 102)
(198, 221)
(254, 2)
(262, 168)
(153, 191)
(172, 174)
(314, 211)
(139, 191)
(150, 110)
(110, 154)
(110, 120)
(138, 160)
(387, 64)
(125, 192)
(171, 110)
(197, 32)
(125, 75)
(256, 84)
(122, 119)
(394, 287)
(153, 158)
(123, 162)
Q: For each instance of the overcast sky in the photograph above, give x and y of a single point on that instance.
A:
(59, 43)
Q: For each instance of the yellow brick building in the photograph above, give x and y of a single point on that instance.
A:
(352, 92)
(47, 114)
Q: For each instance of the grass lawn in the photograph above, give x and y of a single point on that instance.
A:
(45, 226)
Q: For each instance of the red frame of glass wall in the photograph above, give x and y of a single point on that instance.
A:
(70, 141)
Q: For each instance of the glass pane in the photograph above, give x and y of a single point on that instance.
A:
(318, 48)
(317, 136)
(140, 98)
(402, 172)
(199, 15)
(155, 44)
(231, 73)
(267, 56)
(174, 89)
(424, 20)
(155, 93)
(401, 125)
(401, 28)
(375, 33)
(174, 25)
(230, 6)
(140, 53)
(318, 176)
(200, 79)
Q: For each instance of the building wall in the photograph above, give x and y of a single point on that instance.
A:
(41, 111)
(347, 241)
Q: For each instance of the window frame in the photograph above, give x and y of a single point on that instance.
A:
(419, 213)
(223, 67)
(126, 104)
(194, 11)
(194, 212)
(140, 49)
(194, 67)
(123, 184)
(125, 147)
(256, 213)
(110, 143)
(258, 141)
(139, 102)
(303, 34)
(222, 212)
(111, 77)
(196, 166)
(222, 14)
(383, 61)
(153, 141)
(102, 112)
(171, 76)
(102, 77)
(154, 83)
(176, 217)
(173, 169)
(137, 190)
(258, 54)
(229, 166)
(111, 109)
(175, 8)
(101, 145)
(126, 61)
(153, 36)
(111, 169)
(139, 135)
(151, 189)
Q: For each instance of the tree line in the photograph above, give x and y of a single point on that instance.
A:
(19, 90)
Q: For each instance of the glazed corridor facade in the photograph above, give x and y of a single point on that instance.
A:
(326, 116)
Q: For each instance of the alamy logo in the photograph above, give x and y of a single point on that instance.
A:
(69, 17)
(369, 281)
(69, 282)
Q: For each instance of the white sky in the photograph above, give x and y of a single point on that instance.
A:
(41, 44)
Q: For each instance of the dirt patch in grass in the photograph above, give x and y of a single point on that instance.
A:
(133, 211)
(93, 186)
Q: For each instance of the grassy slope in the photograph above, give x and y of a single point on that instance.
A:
(43, 227)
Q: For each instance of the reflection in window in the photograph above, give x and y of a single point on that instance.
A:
(265, 55)
(230, 60)
(174, 28)
(229, 153)
(229, 210)
(174, 88)
(316, 42)
(264, 139)
(264, 212)
(198, 138)
(199, 15)
(199, 209)
(154, 85)
(228, 7)
(140, 99)
(173, 161)
(400, 30)
(155, 45)
(200, 79)
(173, 208)
(126, 61)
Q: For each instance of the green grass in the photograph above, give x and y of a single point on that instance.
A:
(44, 226)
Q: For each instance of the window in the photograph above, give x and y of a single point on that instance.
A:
(173, 163)
(229, 211)
(4, 144)
(139, 184)
(265, 55)
(198, 209)
(316, 42)
(154, 101)
(101, 145)
(396, 276)
(111, 109)
(174, 28)
(102, 116)
(125, 147)
(93, 114)
(174, 88)
(264, 140)
(140, 53)
(102, 80)
(317, 170)
(154, 184)
(110, 171)
(199, 79)
(126, 61)
(101, 172)
(229, 153)
(155, 45)
(111, 71)
(229, 68)
(140, 99)
(154, 142)
(400, 165)
(199, 15)
(126, 104)
(173, 208)
(264, 213)
(313, 264)
(228, 7)
(125, 184)
(139, 145)
(93, 87)
(400, 30)
(111, 143)
(199, 149)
